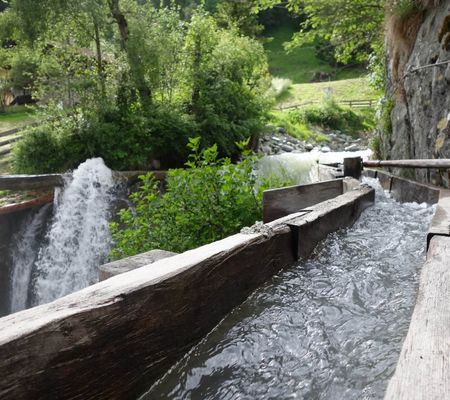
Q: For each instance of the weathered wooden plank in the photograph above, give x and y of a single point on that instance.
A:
(423, 369)
(115, 338)
(123, 265)
(440, 224)
(385, 180)
(438, 163)
(278, 203)
(327, 217)
(27, 204)
(353, 167)
(407, 191)
(30, 182)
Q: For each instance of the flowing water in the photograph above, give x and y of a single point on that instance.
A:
(330, 327)
(77, 241)
(301, 168)
(24, 256)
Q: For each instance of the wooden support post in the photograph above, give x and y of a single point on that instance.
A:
(353, 167)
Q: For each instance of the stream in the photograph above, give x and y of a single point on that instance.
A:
(330, 327)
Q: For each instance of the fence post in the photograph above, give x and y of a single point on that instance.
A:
(353, 167)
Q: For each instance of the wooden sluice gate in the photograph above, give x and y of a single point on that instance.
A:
(114, 338)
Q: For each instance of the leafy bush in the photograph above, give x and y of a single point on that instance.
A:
(375, 146)
(279, 88)
(209, 200)
(199, 80)
(332, 116)
(404, 8)
(46, 148)
(125, 141)
(383, 115)
(299, 129)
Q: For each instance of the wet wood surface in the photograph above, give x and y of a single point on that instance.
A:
(112, 340)
(278, 203)
(423, 370)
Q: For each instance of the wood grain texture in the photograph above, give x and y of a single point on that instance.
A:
(278, 203)
(115, 338)
(327, 217)
(423, 369)
(407, 191)
(440, 224)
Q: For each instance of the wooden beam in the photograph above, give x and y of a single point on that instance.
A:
(278, 203)
(353, 167)
(30, 182)
(440, 163)
(45, 181)
(423, 369)
(112, 340)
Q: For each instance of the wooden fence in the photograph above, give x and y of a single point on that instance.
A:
(7, 138)
(367, 103)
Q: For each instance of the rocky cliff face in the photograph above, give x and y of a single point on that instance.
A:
(420, 89)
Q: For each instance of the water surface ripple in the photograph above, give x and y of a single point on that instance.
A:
(328, 328)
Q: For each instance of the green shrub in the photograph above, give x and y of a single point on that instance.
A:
(330, 115)
(383, 115)
(375, 146)
(47, 148)
(211, 199)
(404, 8)
(301, 130)
(125, 141)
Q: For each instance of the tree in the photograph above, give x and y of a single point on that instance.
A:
(239, 14)
(351, 26)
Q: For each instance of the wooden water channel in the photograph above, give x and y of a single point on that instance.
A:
(112, 339)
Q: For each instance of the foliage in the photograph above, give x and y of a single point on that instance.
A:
(377, 68)
(144, 87)
(290, 122)
(301, 63)
(279, 88)
(332, 116)
(383, 115)
(403, 8)
(46, 148)
(375, 146)
(209, 200)
(239, 15)
(358, 26)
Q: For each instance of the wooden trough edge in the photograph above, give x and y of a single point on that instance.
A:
(45, 181)
(114, 339)
(423, 369)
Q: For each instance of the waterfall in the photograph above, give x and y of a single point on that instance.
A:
(78, 239)
(302, 168)
(23, 257)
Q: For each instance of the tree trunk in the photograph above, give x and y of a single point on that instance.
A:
(100, 70)
(137, 75)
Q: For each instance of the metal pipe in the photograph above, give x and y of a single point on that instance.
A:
(440, 163)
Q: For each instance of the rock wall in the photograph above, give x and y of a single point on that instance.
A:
(421, 113)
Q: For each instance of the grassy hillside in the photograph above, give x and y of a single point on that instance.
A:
(16, 116)
(346, 89)
(301, 63)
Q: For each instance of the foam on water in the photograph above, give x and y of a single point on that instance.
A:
(24, 256)
(330, 327)
(302, 168)
(79, 238)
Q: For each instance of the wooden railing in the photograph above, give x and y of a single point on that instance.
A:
(364, 103)
(7, 138)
